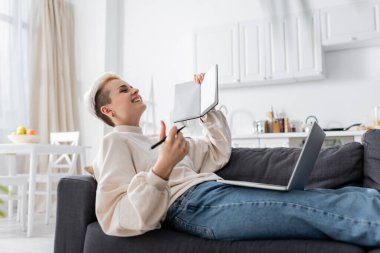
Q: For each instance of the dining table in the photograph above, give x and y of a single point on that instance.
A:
(34, 150)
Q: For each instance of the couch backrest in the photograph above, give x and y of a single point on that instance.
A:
(336, 166)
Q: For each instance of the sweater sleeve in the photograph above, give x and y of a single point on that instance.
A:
(127, 203)
(211, 152)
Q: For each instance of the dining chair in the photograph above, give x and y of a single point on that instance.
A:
(21, 181)
(58, 166)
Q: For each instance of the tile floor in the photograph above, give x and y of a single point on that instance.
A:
(13, 240)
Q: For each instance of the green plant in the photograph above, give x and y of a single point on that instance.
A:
(4, 190)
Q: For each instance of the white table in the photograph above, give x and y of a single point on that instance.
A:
(34, 150)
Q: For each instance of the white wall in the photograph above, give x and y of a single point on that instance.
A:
(158, 42)
(90, 17)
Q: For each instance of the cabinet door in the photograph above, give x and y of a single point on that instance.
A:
(279, 65)
(273, 143)
(218, 46)
(350, 22)
(246, 143)
(308, 48)
(252, 51)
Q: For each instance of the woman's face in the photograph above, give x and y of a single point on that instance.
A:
(126, 105)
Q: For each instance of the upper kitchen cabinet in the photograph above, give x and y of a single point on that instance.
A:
(279, 49)
(349, 23)
(253, 51)
(218, 46)
(308, 54)
(276, 50)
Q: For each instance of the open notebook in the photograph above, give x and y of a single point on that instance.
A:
(192, 100)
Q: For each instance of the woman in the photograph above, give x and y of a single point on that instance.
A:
(139, 188)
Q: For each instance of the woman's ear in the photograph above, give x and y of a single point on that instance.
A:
(106, 111)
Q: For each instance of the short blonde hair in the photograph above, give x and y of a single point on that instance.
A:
(95, 97)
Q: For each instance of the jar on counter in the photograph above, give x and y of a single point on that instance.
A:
(261, 126)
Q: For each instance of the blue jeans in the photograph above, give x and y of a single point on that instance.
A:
(217, 211)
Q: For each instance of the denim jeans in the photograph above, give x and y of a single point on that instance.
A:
(214, 210)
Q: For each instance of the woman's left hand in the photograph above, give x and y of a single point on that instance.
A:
(198, 79)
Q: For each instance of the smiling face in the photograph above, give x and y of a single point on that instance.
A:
(126, 105)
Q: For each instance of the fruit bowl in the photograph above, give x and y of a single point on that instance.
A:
(24, 138)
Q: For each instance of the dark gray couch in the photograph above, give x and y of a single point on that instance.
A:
(354, 164)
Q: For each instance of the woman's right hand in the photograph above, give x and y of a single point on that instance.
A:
(174, 149)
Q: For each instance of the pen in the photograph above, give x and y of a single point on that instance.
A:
(161, 141)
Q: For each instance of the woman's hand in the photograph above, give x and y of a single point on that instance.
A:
(198, 79)
(174, 149)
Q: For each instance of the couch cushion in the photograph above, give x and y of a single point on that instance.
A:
(371, 143)
(336, 166)
(167, 241)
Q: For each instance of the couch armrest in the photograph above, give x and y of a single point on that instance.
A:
(371, 143)
(75, 210)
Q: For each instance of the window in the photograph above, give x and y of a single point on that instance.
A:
(13, 65)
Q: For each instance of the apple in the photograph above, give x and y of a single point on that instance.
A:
(21, 130)
(31, 132)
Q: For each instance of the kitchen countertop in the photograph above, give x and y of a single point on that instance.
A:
(296, 134)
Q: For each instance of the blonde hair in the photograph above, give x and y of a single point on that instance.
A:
(96, 97)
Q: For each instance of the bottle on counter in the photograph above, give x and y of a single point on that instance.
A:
(270, 116)
(286, 125)
(276, 126)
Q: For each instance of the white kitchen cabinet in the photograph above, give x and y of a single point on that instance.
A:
(218, 45)
(265, 51)
(308, 55)
(245, 143)
(273, 143)
(279, 52)
(288, 48)
(253, 51)
(352, 22)
(280, 49)
(293, 140)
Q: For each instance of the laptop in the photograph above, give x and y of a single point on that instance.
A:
(303, 168)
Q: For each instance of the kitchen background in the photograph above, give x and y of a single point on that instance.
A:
(150, 41)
